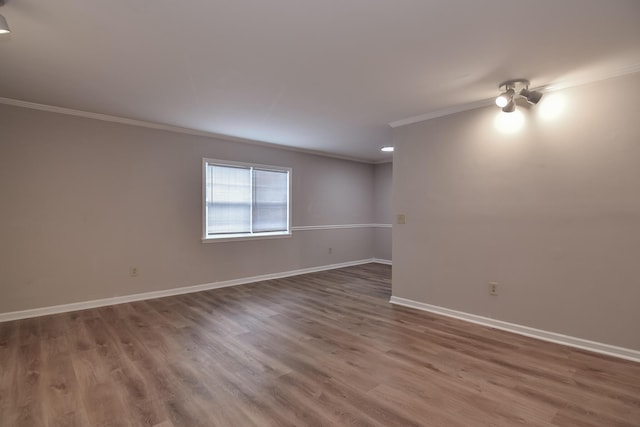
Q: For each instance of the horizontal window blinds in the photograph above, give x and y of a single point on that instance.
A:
(229, 200)
(270, 197)
(246, 200)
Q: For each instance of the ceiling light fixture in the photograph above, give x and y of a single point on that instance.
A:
(387, 149)
(532, 96)
(510, 107)
(507, 99)
(4, 27)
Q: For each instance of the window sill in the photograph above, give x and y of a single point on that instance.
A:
(239, 237)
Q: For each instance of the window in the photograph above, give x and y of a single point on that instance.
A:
(244, 200)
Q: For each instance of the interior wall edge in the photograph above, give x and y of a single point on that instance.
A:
(554, 337)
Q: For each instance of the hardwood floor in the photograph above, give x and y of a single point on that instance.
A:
(319, 349)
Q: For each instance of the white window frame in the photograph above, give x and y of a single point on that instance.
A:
(243, 236)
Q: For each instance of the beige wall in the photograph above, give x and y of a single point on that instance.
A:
(84, 200)
(382, 213)
(552, 213)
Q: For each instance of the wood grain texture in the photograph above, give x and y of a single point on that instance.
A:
(321, 349)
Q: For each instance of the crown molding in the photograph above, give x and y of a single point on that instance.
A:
(632, 69)
(443, 112)
(382, 162)
(635, 68)
(171, 128)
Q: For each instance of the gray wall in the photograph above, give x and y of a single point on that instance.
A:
(84, 200)
(552, 213)
(382, 212)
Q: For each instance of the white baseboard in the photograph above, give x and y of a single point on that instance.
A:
(44, 311)
(381, 261)
(596, 347)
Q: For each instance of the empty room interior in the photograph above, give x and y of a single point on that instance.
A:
(338, 213)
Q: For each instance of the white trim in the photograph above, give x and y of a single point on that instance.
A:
(634, 68)
(443, 112)
(382, 261)
(242, 237)
(331, 227)
(631, 69)
(382, 162)
(328, 227)
(170, 128)
(44, 311)
(596, 347)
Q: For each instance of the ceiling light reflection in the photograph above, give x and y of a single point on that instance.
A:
(509, 122)
(552, 107)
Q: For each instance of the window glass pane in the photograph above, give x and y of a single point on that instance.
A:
(228, 195)
(270, 198)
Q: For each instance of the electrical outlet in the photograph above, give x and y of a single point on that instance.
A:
(133, 272)
(493, 288)
(401, 219)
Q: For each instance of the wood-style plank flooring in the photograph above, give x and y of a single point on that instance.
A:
(320, 349)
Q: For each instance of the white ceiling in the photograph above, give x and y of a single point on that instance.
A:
(321, 75)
